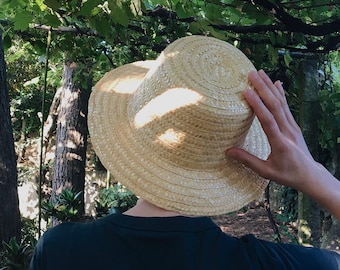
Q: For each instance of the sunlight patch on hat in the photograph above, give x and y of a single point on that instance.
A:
(167, 102)
(171, 138)
(132, 79)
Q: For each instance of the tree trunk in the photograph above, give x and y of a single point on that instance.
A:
(71, 142)
(10, 223)
(50, 123)
(330, 233)
(331, 226)
(309, 218)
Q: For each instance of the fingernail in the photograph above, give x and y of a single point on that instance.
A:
(230, 154)
(261, 72)
(248, 92)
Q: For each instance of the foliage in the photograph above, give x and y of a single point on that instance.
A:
(16, 256)
(288, 204)
(285, 229)
(24, 73)
(287, 212)
(66, 206)
(114, 197)
(112, 33)
(262, 25)
(29, 231)
(329, 123)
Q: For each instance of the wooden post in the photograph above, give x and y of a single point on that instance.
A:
(309, 219)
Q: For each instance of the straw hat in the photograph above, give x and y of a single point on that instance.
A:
(162, 127)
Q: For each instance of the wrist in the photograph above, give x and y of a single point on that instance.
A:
(324, 188)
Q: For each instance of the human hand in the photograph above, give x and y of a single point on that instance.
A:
(290, 162)
(288, 148)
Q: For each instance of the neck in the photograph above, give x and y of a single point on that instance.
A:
(146, 209)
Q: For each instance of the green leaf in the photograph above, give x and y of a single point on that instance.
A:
(249, 10)
(235, 15)
(287, 59)
(22, 20)
(118, 14)
(52, 20)
(41, 5)
(7, 42)
(101, 25)
(54, 4)
(88, 7)
(212, 12)
(183, 10)
(273, 54)
(17, 3)
(280, 38)
(272, 37)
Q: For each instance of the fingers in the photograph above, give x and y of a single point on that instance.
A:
(273, 97)
(286, 109)
(278, 85)
(265, 117)
(268, 93)
(276, 92)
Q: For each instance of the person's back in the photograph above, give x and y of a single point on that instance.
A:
(167, 243)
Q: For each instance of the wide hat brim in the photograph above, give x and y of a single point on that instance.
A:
(158, 178)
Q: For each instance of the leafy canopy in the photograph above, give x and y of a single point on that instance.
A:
(106, 34)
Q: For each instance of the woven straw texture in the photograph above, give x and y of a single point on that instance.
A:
(162, 127)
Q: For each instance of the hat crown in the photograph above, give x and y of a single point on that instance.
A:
(189, 107)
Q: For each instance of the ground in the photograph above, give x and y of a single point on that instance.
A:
(254, 220)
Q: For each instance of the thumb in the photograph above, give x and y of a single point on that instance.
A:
(256, 164)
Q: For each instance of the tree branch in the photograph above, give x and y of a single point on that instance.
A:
(321, 46)
(162, 12)
(67, 29)
(293, 24)
(248, 29)
(290, 4)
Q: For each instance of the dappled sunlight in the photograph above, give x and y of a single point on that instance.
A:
(126, 86)
(131, 80)
(75, 139)
(171, 138)
(169, 101)
(73, 156)
(69, 97)
(28, 200)
(305, 233)
(95, 181)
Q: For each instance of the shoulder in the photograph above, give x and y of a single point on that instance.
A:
(71, 241)
(77, 232)
(64, 230)
(290, 255)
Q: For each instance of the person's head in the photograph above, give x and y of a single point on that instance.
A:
(161, 127)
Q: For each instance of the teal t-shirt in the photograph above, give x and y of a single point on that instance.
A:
(163, 243)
